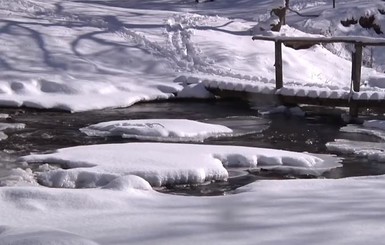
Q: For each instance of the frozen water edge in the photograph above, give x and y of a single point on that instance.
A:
(370, 150)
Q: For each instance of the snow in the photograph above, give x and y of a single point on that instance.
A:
(158, 129)
(319, 38)
(39, 236)
(344, 211)
(86, 55)
(164, 164)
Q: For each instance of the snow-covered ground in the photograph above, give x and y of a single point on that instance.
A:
(81, 55)
(127, 211)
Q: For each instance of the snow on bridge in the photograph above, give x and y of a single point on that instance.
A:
(353, 98)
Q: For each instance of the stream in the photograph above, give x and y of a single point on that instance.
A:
(48, 130)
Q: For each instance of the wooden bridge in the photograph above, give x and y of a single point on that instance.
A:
(354, 99)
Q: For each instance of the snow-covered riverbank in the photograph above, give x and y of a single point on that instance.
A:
(86, 55)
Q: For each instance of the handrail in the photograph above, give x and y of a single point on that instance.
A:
(366, 41)
(358, 41)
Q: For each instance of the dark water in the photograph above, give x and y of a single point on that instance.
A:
(46, 131)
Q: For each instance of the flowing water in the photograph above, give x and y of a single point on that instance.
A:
(46, 131)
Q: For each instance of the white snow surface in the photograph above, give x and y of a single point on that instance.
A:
(158, 129)
(343, 211)
(84, 55)
(39, 236)
(164, 163)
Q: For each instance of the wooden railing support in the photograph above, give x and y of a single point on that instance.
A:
(278, 65)
(356, 76)
(358, 42)
(356, 66)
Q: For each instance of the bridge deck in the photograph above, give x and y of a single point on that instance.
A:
(299, 95)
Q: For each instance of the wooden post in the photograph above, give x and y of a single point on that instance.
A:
(356, 66)
(356, 75)
(278, 65)
(334, 4)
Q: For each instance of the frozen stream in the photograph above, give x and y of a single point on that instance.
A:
(46, 131)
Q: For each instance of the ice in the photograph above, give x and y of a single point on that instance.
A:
(291, 111)
(158, 129)
(5, 126)
(368, 128)
(3, 136)
(195, 91)
(371, 150)
(165, 163)
(375, 124)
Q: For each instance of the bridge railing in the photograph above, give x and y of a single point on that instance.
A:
(358, 42)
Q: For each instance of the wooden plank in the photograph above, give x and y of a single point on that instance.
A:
(278, 65)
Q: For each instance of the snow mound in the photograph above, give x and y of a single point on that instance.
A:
(158, 129)
(128, 182)
(40, 236)
(163, 164)
(18, 177)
